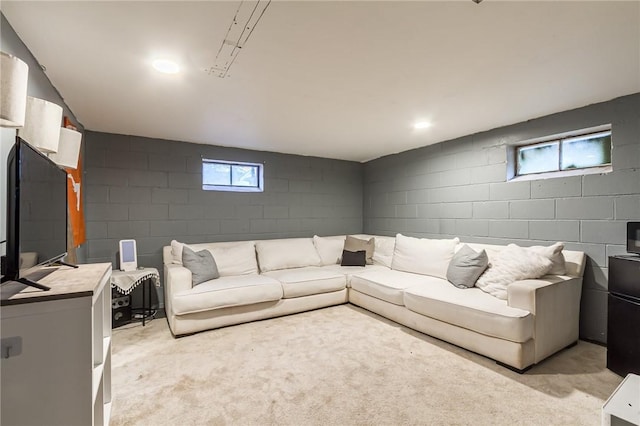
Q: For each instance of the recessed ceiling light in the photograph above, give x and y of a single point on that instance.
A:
(421, 125)
(166, 66)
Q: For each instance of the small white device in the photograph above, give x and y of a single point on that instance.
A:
(128, 255)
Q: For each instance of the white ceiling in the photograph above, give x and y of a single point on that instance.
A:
(331, 79)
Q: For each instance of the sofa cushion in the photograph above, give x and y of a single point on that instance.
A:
(286, 253)
(201, 264)
(176, 252)
(512, 264)
(232, 258)
(349, 271)
(471, 309)
(383, 248)
(306, 281)
(466, 266)
(235, 258)
(423, 256)
(329, 248)
(383, 254)
(356, 244)
(227, 292)
(387, 285)
(554, 253)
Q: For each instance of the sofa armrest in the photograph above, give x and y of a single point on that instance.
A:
(554, 301)
(177, 278)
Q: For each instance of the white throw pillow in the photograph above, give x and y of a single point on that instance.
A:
(287, 253)
(237, 258)
(329, 248)
(514, 263)
(554, 254)
(423, 256)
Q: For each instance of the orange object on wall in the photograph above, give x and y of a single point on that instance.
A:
(74, 203)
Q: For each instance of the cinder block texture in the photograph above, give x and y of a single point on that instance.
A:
(459, 188)
(151, 190)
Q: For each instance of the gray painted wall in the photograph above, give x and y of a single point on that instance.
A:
(459, 188)
(150, 190)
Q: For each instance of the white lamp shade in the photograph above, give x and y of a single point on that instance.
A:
(68, 148)
(42, 124)
(14, 75)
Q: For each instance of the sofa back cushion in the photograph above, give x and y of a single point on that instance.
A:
(329, 249)
(423, 256)
(384, 247)
(232, 258)
(286, 253)
(238, 258)
(383, 255)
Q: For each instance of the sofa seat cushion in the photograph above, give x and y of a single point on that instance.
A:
(388, 284)
(306, 281)
(350, 271)
(470, 308)
(226, 292)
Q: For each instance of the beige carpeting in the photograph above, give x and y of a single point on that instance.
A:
(341, 366)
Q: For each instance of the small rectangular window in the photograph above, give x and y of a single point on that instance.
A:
(218, 175)
(564, 154)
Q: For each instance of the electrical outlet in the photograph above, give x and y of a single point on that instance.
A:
(10, 347)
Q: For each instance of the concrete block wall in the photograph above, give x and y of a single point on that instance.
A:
(459, 188)
(151, 190)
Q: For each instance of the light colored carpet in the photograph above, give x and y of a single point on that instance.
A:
(341, 366)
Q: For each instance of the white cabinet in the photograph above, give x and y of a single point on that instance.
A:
(58, 371)
(623, 406)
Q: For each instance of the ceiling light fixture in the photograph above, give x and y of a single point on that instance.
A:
(166, 66)
(421, 125)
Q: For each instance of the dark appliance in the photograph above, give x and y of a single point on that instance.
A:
(633, 237)
(623, 326)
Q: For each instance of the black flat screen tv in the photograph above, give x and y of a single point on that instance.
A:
(36, 214)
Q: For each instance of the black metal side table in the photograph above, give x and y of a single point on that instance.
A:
(126, 281)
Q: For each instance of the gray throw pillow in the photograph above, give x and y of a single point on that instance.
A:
(466, 266)
(201, 264)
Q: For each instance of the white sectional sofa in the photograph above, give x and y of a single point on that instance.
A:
(269, 278)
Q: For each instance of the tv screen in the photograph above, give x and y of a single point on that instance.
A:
(36, 212)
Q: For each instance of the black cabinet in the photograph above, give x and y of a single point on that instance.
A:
(623, 325)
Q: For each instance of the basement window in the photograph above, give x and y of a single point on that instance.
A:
(219, 175)
(583, 152)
